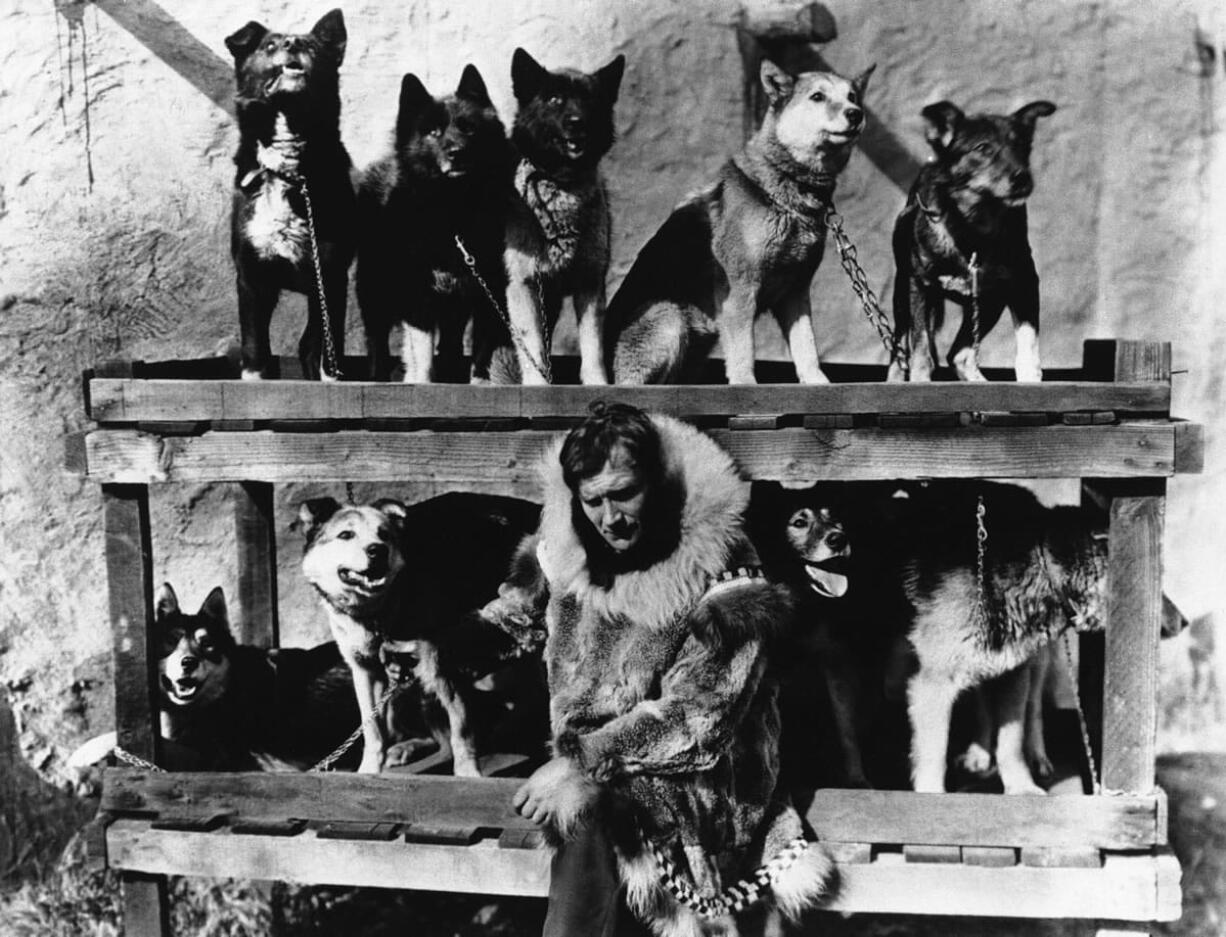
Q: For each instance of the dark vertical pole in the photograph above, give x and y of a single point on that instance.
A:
(255, 530)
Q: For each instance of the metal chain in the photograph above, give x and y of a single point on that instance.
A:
(864, 292)
(543, 366)
(135, 761)
(330, 356)
(975, 337)
(1095, 784)
(981, 548)
(332, 757)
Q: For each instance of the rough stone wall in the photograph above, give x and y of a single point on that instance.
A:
(114, 191)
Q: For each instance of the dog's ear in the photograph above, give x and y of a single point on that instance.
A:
(243, 42)
(941, 123)
(165, 602)
(1026, 116)
(776, 81)
(527, 75)
(414, 99)
(394, 510)
(472, 87)
(313, 514)
(330, 31)
(609, 79)
(860, 82)
(214, 607)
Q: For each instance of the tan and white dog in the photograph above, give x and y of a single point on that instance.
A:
(750, 242)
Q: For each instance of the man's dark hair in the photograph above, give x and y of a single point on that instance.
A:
(608, 426)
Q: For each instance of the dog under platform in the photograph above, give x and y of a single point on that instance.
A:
(1100, 859)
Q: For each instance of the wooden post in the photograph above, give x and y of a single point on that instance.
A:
(129, 566)
(255, 530)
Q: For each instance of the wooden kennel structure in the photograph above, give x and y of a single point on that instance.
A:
(1101, 859)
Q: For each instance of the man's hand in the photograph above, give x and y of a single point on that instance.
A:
(556, 796)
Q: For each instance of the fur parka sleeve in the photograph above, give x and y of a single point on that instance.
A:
(704, 695)
(519, 609)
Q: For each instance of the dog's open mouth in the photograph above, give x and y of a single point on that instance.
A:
(574, 147)
(828, 577)
(181, 691)
(841, 136)
(362, 582)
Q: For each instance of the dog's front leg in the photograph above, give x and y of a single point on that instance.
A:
(255, 307)
(925, 304)
(930, 703)
(369, 684)
(311, 347)
(1036, 745)
(1024, 307)
(417, 350)
(843, 688)
(525, 314)
(589, 311)
(1012, 691)
(736, 318)
(963, 354)
(795, 316)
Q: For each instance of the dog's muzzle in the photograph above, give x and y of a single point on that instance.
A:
(365, 582)
(828, 577)
(180, 692)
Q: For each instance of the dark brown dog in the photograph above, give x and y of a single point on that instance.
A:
(964, 228)
(291, 169)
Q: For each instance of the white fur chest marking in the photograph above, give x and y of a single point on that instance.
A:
(561, 213)
(274, 228)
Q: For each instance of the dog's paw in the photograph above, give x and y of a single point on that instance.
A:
(372, 763)
(1040, 765)
(403, 753)
(466, 768)
(250, 374)
(1022, 785)
(976, 760)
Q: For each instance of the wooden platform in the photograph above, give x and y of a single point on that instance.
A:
(1108, 423)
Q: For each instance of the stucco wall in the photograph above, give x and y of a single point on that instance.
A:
(114, 188)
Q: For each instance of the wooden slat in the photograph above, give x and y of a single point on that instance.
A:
(255, 619)
(996, 857)
(947, 855)
(1189, 448)
(1117, 359)
(1133, 624)
(129, 567)
(127, 401)
(403, 798)
(849, 853)
(1062, 857)
(146, 902)
(905, 817)
(505, 463)
(1126, 888)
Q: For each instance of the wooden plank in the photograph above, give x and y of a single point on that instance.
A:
(849, 853)
(442, 835)
(828, 421)
(1189, 448)
(998, 418)
(505, 463)
(76, 461)
(1116, 359)
(190, 822)
(928, 420)
(757, 421)
(947, 855)
(259, 826)
(255, 621)
(385, 798)
(126, 401)
(361, 831)
(892, 817)
(1133, 624)
(1125, 888)
(995, 857)
(521, 839)
(146, 903)
(1062, 857)
(129, 568)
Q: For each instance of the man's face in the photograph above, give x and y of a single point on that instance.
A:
(613, 499)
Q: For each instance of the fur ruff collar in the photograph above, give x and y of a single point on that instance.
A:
(715, 501)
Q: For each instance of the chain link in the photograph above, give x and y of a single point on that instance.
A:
(135, 761)
(331, 358)
(974, 272)
(981, 565)
(1095, 784)
(543, 366)
(332, 757)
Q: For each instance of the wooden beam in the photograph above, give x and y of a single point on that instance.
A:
(1126, 888)
(126, 401)
(255, 532)
(505, 463)
(146, 903)
(905, 817)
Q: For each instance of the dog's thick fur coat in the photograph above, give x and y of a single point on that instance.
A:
(559, 228)
(447, 178)
(290, 145)
(661, 691)
(748, 243)
(968, 204)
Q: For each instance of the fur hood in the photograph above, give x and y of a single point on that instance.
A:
(715, 499)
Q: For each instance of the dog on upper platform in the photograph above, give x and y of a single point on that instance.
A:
(750, 242)
(447, 179)
(963, 236)
(559, 227)
(411, 578)
(293, 207)
(230, 706)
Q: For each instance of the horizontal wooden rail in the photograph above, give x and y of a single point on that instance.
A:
(1124, 887)
(504, 463)
(120, 401)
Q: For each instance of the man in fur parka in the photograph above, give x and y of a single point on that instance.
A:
(661, 795)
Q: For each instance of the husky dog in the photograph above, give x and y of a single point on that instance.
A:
(963, 231)
(447, 179)
(750, 242)
(558, 231)
(1045, 570)
(411, 577)
(229, 706)
(292, 173)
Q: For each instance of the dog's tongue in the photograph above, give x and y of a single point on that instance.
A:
(827, 582)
